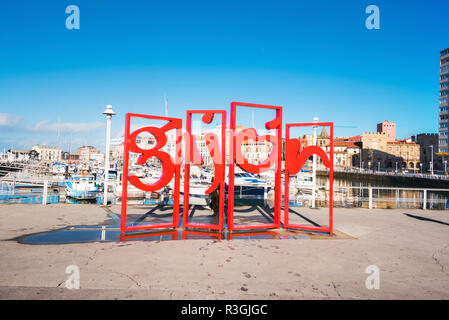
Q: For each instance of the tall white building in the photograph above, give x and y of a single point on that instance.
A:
(443, 117)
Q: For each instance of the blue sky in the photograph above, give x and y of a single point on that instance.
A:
(314, 58)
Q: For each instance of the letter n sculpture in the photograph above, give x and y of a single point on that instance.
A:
(294, 160)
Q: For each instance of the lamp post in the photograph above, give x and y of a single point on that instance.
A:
(361, 149)
(421, 167)
(314, 142)
(445, 166)
(431, 163)
(396, 167)
(109, 113)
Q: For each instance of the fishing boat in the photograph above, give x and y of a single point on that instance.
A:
(82, 187)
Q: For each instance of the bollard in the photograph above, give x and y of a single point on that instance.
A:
(424, 205)
(370, 195)
(397, 198)
(45, 192)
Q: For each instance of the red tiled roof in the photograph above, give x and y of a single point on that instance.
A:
(357, 138)
(350, 139)
(349, 144)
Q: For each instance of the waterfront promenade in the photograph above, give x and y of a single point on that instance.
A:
(409, 246)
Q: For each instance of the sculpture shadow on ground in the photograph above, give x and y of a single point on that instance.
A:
(426, 219)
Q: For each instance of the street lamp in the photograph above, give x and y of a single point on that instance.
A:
(361, 149)
(421, 167)
(314, 142)
(109, 113)
(431, 163)
(396, 167)
(445, 166)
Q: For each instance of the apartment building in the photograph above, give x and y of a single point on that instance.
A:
(443, 114)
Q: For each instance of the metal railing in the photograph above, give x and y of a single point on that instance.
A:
(344, 196)
(388, 173)
(381, 197)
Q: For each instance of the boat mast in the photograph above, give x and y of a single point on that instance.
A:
(166, 108)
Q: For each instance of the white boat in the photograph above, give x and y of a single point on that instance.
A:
(133, 192)
(59, 168)
(82, 187)
(197, 191)
(302, 179)
(72, 169)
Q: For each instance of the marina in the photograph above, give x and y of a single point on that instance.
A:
(58, 186)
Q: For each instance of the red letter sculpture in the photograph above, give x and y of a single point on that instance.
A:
(294, 160)
(170, 168)
(236, 157)
(218, 157)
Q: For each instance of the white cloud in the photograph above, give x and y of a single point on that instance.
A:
(14, 131)
(46, 126)
(9, 120)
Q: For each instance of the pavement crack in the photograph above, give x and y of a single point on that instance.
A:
(130, 278)
(59, 285)
(91, 257)
(336, 290)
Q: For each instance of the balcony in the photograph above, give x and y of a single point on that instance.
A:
(444, 54)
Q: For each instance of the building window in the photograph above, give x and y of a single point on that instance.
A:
(444, 93)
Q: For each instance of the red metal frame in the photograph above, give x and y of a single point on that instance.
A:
(173, 233)
(274, 124)
(219, 165)
(292, 159)
(232, 235)
(189, 234)
(170, 168)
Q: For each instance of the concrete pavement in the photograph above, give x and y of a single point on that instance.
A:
(410, 248)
